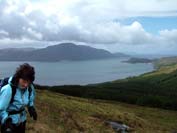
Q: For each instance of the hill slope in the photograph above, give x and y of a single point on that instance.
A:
(61, 113)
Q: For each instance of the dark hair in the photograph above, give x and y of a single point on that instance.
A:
(24, 71)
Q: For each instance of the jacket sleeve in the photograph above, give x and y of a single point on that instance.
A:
(32, 96)
(5, 96)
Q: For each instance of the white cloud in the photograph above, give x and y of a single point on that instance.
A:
(34, 34)
(169, 36)
(85, 21)
(3, 33)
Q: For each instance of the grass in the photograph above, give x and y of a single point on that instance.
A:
(61, 113)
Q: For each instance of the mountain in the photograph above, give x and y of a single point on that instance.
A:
(118, 54)
(19, 49)
(64, 51)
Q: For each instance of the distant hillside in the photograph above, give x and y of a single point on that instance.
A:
(118, 54)
(155, 89)
(64, 51)
(18, 49)
(166, 61)
(139, 60)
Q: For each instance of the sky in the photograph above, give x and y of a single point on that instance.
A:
(128, 26)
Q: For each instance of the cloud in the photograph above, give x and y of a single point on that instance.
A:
(3, 34)
(90, 21)
(169, 36)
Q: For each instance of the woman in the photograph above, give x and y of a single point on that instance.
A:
(16, 93)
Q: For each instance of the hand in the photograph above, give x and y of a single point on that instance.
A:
(32, 112)
(8, 126)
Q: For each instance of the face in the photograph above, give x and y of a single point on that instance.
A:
(23, 83)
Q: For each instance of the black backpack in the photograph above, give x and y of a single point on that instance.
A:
(4, 82)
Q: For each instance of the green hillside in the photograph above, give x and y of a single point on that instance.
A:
(65, 114)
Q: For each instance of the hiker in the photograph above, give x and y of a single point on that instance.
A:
(16, 93)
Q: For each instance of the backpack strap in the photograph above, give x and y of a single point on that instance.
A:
(14, 89)
(13, 93)
(30, 91)
(16, 112)
(13, 86)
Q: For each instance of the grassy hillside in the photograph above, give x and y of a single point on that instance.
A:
(61, 113)
(166, 61)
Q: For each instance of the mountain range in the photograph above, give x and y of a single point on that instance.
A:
(63, 51)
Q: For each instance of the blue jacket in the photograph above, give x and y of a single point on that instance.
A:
(21, 100)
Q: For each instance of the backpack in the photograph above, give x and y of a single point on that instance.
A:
(4, 82)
